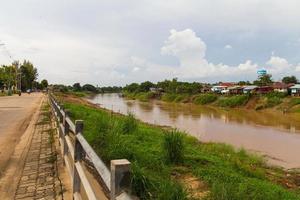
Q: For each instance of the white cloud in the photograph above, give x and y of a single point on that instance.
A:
(191, 50)
(276, 65)
(228, 46)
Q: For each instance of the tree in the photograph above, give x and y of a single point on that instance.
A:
(29, 75)
(145, 86)
(289, 79)
(133, 87)
(264, 80)
(76, 87)
(44, 84)
(89, 87)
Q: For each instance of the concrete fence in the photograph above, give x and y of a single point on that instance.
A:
(76, 150)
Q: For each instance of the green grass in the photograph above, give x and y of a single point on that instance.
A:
(230, 174)
(203, 99)
(233, 101)
(142, 96)
(169, 97)
(173, 146)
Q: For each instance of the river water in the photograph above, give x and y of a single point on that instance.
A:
(275, 135)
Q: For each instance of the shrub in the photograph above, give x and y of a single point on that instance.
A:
(169, 97)
(140, 184)
(205, 99)
(129, 124)
(273, 101)
(173, 146)
(233, 101)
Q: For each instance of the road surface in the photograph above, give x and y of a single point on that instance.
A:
(15, 115)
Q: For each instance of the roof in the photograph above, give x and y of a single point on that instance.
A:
(250, 87)
(280, 85)
(219, 86)
(227, 84)
(297, 86)
(235, 87)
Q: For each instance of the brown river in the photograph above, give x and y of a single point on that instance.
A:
(272, 134)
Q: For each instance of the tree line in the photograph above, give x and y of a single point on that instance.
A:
(180, 87)
(20, 77)
(77, 87)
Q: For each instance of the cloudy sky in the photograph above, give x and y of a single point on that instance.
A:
(117, 42)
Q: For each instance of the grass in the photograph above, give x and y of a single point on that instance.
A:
(142, 96)
(229, 173)
(233, 101)
(203, 99)
(173, 146)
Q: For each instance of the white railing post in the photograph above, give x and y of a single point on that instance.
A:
(78, 151)
(120, 177)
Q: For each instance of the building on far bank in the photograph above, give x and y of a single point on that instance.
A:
(264, 89)
(281, 87)
(295, 90)
(249, 89)
(236, 89)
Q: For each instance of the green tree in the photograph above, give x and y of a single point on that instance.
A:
(44, 84)
(264, 80)
(133, 87)
(89, 87)
(29, 74)
(289, 79)
(77, 87)
(145, 86)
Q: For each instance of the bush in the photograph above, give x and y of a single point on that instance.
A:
(273, 101)
(169, 97)
(140, 184)
(233, 101)
(173, 146)
(129, 124)
(205, 99)
(277, 94)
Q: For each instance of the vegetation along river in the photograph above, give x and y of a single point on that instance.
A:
(273, 134)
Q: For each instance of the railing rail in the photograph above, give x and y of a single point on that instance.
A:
(73, 144)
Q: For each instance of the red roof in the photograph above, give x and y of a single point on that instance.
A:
(227, 84)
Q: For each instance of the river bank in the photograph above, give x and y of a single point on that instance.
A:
(216, 171)
(275, 101)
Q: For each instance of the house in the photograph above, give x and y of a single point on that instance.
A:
(281, 87)
(235, 90)
(219, 89)
(249, 89)
(295, 90)
(264, 89)
(205, 89)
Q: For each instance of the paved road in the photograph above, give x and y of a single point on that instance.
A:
(15, 116)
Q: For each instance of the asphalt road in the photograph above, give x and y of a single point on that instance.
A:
(15, 115)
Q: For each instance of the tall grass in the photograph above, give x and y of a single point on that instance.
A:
(129, 124)
(203, 99)
(233, 101)
(173, 146)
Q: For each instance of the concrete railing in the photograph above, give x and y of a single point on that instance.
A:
(75, 150)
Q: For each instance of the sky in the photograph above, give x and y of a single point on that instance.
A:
(116, 42)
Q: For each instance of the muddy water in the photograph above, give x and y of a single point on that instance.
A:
(272, 134)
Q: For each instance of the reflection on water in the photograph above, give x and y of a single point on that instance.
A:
(273, 134)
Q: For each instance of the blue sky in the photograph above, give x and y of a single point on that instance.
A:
(118, 42)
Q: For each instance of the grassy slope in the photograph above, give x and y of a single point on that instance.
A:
(273, 100)
(229, 174)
